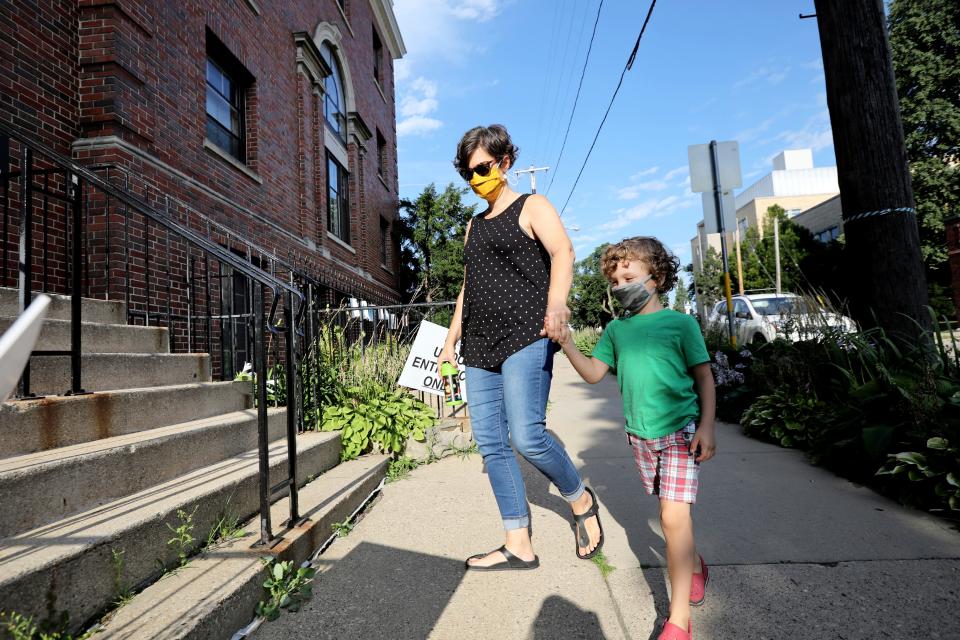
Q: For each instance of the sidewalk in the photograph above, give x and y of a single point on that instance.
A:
(795, 552)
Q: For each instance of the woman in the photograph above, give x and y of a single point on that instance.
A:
(511, 311)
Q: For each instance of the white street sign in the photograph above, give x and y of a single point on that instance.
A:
(710, 212)
(701, 169)
(420, 371)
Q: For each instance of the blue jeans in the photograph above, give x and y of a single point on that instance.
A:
(509, 404)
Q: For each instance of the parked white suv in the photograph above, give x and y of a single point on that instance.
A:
(766, 316)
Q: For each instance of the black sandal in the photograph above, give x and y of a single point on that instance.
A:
(512, 562)
(580, 535)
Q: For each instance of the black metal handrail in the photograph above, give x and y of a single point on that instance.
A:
(79, 182)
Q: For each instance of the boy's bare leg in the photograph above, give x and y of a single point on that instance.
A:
(677, 526)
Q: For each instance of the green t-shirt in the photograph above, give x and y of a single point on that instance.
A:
(652, 354)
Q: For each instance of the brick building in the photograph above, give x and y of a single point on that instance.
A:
(270, 123)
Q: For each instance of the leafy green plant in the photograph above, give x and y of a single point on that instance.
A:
(465, 452)
(20, 627)
(342, 529)
(286, 588)
(380, 421)
(585, 340)
(182, 538)
(930, 479)
(400, 468)
(789, 419)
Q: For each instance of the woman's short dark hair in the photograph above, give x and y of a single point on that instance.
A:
(493, 139)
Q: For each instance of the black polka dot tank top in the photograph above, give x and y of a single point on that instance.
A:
(505, 292)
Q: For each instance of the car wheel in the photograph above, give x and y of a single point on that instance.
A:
(759, 339)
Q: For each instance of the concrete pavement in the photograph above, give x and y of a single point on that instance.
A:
(795, 552)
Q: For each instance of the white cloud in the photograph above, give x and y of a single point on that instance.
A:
(480, 10)
(633, 191)
(772, 75)
(644, 172)
(751, 134)
(418, 102)
(815, 134)
(640, 211)
(673, 173)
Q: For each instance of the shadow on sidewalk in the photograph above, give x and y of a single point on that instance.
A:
(560, 618)
(375, 591)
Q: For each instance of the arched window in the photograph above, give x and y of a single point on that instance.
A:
(334, 102)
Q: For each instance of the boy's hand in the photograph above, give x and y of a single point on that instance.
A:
(704, 443)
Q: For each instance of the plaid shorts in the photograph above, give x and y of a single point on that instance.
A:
(667, 468)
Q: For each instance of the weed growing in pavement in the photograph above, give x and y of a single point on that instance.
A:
(465, 452)
(122, 592)
(342, 529)
(20, 627)
(227, 527)
(182, 535)
(601, 561)
(400, 468)
(286, 587)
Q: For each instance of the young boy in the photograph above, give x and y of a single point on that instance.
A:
(663, 371)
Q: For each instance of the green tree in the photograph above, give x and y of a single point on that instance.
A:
(681, 297)
(759, 259)
(925, 43)
(431, 238)
(590, 303)
(707, 284)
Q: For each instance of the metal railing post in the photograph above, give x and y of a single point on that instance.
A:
(25, 294)
(263, 444)
(292, 422)
(76, 301)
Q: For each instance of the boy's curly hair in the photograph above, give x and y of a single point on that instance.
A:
(662, 264)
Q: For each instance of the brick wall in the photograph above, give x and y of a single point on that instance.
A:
(122, 85)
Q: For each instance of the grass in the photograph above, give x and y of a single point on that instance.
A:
(401, 468)
(605, 567)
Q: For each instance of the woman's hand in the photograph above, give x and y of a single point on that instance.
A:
(446, 355)
(556, 322)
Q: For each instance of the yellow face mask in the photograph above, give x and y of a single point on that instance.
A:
(489, 186)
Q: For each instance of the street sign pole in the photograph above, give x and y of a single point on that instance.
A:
(718, 198)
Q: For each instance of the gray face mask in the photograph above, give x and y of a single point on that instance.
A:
(633, 296)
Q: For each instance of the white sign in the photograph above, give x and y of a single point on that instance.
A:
(710, 212)
(421, 371)
(701, 167)
(17, 343)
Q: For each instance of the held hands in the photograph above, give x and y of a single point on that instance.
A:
(704, 443)
(556, 322)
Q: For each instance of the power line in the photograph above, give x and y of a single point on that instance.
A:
(546, 75)
(576, 98)
(630, 60)
(574, 47)
(562, 72)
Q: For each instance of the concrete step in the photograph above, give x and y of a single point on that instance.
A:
(88, 475)
(99, 311)
(99, 338)
(108, 371)
(68, 568)
(216, 594)
(61, 421)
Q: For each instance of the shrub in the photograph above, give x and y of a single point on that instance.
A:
(372, 419)
(930, 479)
(787, 418)
(586, 340)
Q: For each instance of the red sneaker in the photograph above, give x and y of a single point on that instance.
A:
(673, 632)
(698, 588)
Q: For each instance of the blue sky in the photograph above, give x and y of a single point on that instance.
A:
(749, 71)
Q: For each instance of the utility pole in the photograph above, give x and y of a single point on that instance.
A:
(718, 202)
(880, 224)
(776, 250)
(736, 237)
(533, 175)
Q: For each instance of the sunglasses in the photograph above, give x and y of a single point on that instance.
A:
(482, 170)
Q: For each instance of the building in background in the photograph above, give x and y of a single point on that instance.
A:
(824, 221)
(263, 123)
(794, 184)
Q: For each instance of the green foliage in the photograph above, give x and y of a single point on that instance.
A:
(400, 468)
(586, 340)
(707, 284)
(227, 527)
(759, 260)
(930, 479)
(925, 44)
(287, 587)
(122, 592)
(600, 560)
(342, 529)
(432, 229)
(590, 301)
(681, 297)
(182, 538)
(19, 627)
(789, 419)
(376, 419)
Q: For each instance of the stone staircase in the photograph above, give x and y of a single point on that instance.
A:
(92, 485)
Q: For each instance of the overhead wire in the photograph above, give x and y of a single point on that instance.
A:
(629, 65)
(576, 99)
(552, 106)
(543, 88)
